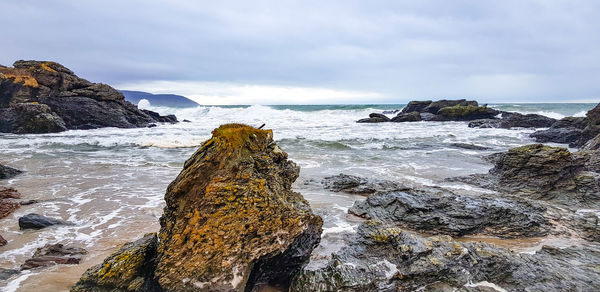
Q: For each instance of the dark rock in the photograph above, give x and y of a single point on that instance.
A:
(7, 172)
(416, 106)
(558, 135)
(441, 212)
(187, 121)
(357, 185)
(54, 254)
(385, 258)
(231, 222)
(46, 97)
(28, 202)
(407, 117)
(576, 131)
(592, 144)
(469, 146)
(375, 118)
(427, 117)
(163, 119)
(36, 221)
(3, 241)
(131, 268)
(5, 274)
(543, 173)
(514, 120)
(390, 112)
(436, 106)
(152, 125)
(587, 223)
(465, 113)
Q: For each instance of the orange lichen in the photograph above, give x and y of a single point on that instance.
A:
(18, 76)
(46, 66)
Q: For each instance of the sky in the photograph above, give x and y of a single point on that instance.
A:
(318, 52)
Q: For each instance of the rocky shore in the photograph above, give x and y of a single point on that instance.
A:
(46, 97)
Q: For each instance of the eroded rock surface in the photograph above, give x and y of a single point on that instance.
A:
(46, 97)
(387, 258)
(231, 223)
(543, 173)
(437, 211)
(575, 131)
(357, 185)
(54, 254)
(514, 120)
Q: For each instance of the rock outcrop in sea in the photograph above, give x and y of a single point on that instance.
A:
(575, 131)
(7, 172)
(231, 223)
(46, 97)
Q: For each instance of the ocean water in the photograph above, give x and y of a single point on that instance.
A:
(111, 182)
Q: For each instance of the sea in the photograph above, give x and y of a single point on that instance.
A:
(111, 182)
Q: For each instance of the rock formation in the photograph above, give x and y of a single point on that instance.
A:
(46, 97)
(383, 257)
(7, 172)
(7, 202)
(437, 211)
(54, 254)
(352, 184)
(543, 173)
(575, 131)
(231, 223)
(36, 221)
(509, 120)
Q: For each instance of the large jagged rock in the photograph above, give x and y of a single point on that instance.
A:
(7, 172)
(441, 110)
(437, 211)
(465, 113)
(353, 184)
(416, 106)
(544, 173)
(232, 222)
(575, 131)
(386, 258)
(46, 97)
(131, 268)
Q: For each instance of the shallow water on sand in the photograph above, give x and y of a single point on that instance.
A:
(111, 182)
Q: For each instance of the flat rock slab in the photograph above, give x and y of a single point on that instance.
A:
(353, 184)
(437, 211)
(54, 254)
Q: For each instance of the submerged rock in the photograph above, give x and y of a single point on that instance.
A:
(5, 274)
(7, 172)
(54, 254)
(436, 211)
(231, 223)
(36, 221)
(46, 97)
(131, 268)
(544, 173)
(375, 118)
(357, 185)
(469, 146)
(385, 258)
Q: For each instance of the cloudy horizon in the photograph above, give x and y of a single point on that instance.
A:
(311, 52)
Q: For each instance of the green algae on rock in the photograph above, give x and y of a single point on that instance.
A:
(231, 223)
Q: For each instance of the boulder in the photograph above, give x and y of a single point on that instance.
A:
(407, 117)
(352, 184)
(54, 254)
(558, 135)
(5, 274)
(543, 173)
(375, 118)
(36, 221)
(514, 120)
(465, 113)
(131, 268)
(416, 106)
(46, 97)
(7, 172)
(436, 211)
(383, 257)
(3, 241)
(231, 221)
(576, 131)
(436, 106)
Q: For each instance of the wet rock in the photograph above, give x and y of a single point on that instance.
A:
(576, 131)
(46, 97)
(375, 118)
(427, 117)
(7, 207)
(9, 193)
(3, 241)
(5, 274)
(407, 117)
(558, 135)
(231, 221)
(436, 211)
(390, 112)
(416, 106)
(469, 146)
(131, 268)
(36, 221)
(54, 254)
(514, 120)
(592, 144)
(543, 173)
(586, 223)
(187, 121)
(28, 202)
(465, 113)
(163, 119)
(385, 258)
(7, 172)
(436, 106)
(357, 185)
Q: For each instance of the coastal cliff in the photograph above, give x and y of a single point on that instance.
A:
(46, 97)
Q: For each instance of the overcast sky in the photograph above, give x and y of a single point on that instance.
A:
(299, 52)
